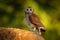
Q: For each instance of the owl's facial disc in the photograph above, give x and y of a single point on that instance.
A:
(29, 10)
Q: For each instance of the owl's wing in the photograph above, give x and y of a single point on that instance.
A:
(34, 19)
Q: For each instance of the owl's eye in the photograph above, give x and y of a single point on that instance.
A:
(27, 9)
(30, 9)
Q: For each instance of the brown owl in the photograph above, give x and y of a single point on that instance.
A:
(33, 20)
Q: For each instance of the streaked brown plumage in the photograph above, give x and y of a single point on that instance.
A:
(34, 19)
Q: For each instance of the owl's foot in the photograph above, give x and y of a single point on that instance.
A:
(38, 32)
(34, 29)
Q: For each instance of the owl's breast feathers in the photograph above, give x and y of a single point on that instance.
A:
(34, 19)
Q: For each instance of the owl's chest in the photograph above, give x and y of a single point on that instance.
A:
(28, 21)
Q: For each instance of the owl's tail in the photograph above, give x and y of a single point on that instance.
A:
(42, 29)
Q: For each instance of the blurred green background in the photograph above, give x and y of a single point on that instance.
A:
(12, 15)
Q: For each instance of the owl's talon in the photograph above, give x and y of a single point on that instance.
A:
(34, 29)
(39, 33)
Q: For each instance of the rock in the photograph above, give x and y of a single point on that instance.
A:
(18, 34)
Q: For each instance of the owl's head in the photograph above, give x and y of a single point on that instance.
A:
(29, 10)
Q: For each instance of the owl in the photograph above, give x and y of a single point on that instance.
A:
(33, 21)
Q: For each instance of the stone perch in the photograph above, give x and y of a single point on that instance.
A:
(18, 34)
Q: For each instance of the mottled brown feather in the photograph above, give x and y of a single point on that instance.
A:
(34, 19)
